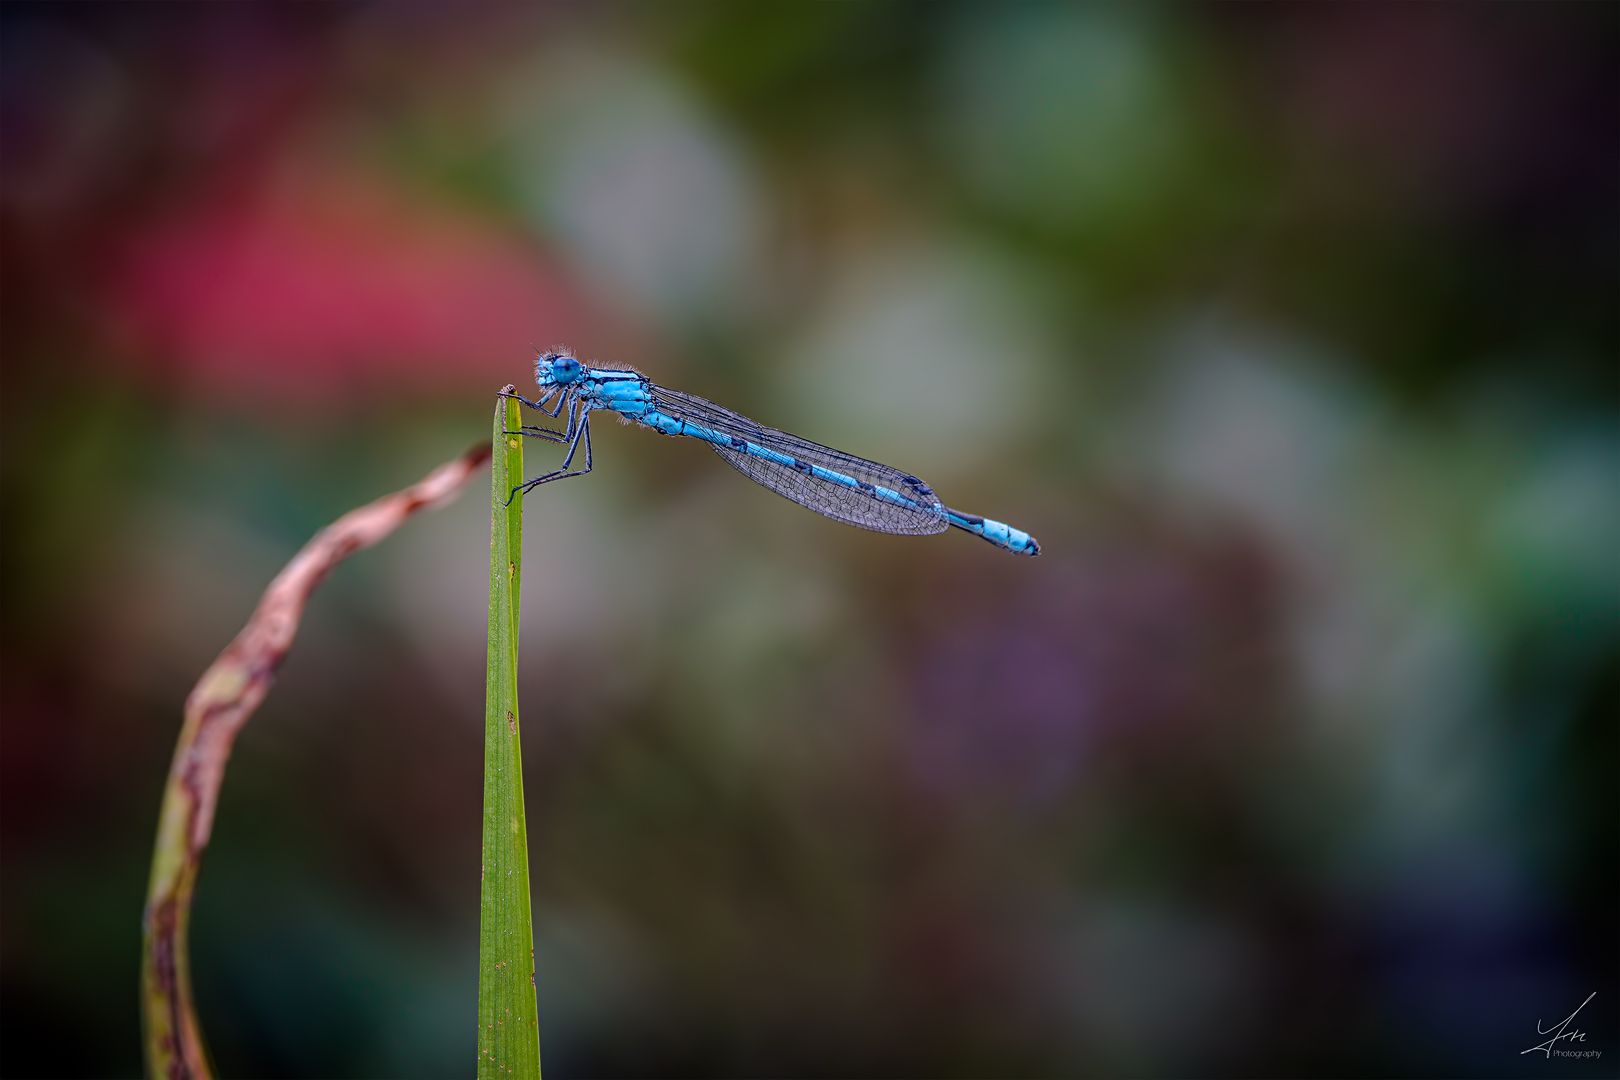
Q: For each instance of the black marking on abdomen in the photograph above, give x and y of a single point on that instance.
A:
(920, 486)
(802, 466)
(971, 519)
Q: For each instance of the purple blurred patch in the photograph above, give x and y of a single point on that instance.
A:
(1015, 690)
(1472, 960)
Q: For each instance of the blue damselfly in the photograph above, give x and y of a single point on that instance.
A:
(830, 482)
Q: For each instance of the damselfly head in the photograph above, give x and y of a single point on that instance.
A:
(556, 368)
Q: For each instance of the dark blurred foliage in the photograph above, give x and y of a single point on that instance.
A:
(1291, 330)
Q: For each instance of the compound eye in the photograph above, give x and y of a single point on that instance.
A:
(565, 369)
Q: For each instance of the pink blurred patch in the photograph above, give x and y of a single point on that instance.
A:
(329, 289)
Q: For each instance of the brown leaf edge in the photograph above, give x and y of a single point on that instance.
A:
(223, 699)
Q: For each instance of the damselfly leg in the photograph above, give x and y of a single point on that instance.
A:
(511, 392)
(582, 430)
(549, 434)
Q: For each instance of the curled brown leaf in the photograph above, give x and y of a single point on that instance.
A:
(222, 701)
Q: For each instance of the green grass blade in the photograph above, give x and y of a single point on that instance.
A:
(508, 1032)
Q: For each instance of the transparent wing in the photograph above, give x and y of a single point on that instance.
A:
(862, 505)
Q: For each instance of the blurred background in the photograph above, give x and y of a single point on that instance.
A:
(1291, 331)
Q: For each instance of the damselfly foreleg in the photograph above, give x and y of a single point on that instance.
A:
(549, 434)
(557, 408)
(583, 430)
(510, 391)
